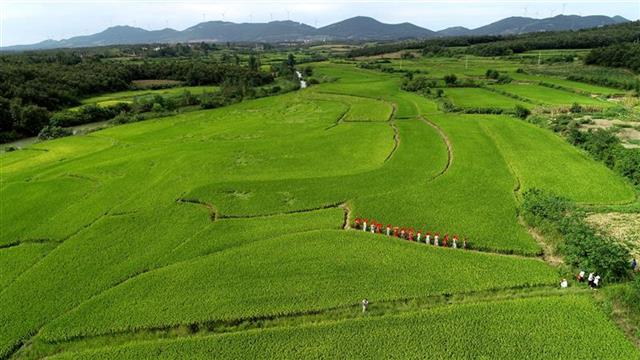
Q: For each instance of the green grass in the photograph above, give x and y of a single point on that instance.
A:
(568, 327)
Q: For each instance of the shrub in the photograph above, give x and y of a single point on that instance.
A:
(575, 108)
(492, 74)
(521, 111)
(582, 246)
(52, 132)
(542, 208)
(450, 79)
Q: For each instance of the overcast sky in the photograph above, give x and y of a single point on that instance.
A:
(24, 22)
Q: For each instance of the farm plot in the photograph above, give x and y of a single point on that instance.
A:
(421, 152)
(543, 160)
(575, 85)
(568, 327)
(481, 207)
(17, 259)
(481, 98)
(549, 96)
(237, 212)
(323, 269)
(360, 109)
(131, 95)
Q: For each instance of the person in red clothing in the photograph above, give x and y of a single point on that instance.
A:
(388, 229)
(395, 231)
(445, 240)
(379, 228)
(410, 234)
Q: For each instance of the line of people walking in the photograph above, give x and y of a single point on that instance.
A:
(410, 234)
(593, 279)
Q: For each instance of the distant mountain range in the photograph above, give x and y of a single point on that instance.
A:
(358, 28)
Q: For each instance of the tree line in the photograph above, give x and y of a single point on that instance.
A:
(625, 55)
(510, 44)
(32, 87)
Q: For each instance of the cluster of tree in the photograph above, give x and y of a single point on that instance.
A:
(423, 45)
(419, 84)
(582, 246)
(33, 86)
(497, 76)
(510, 44)
(582, 39)
(625, 55)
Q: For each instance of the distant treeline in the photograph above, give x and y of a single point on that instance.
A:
(33, 85)
(506, 45)
(626, 55)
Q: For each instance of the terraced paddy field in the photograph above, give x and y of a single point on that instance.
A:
(481, 98)
(129, 96)
(228, 233)
(551, 96)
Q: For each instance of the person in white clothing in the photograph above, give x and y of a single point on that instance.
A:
(590, 279)
(364, 225)
(365, 305)
(581, 276)
(596, 282)
(564, 284)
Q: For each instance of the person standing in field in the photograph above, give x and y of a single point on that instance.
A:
(436, 239)
(419, 236)
(445, 240)
(365, 305)
(427, 239)
(455, 242)
(580, 276)
(596, 282)
(590, 279)
(402, 233)
(395, 231)
(388, 229)
(364, 225)
(373, 226)
(464, 244)
(356, 223)
(379, 228)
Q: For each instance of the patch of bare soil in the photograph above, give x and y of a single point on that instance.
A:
(624, 227)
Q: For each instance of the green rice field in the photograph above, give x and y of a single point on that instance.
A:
(228, 233)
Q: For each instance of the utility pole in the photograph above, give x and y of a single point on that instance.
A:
(539, 58)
